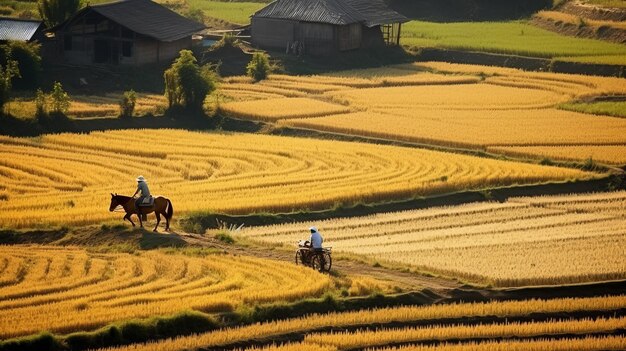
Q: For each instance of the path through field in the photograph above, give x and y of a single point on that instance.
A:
(404, 280)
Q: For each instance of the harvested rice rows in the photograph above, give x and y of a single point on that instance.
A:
(434, 323)
(68, 289)
(489, 108)
(551, 240)
(66, 179)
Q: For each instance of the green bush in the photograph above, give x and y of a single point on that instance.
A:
(59, 100)
(7, 72)
(28, 60)
(187, 84)
(54, 12)
(259, 66)
(127, 104)
(40, 104)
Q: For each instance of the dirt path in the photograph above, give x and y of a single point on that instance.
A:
(405, 280)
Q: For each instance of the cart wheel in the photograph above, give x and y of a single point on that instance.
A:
(317, 264)
(299, 257)
(328, 261)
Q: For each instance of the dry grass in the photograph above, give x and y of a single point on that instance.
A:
(307, 324)
(68, 289)
(66, 179)
(524, 241)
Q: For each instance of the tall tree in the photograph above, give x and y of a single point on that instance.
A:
(54, 12)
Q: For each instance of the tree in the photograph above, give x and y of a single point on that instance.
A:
(28, 61)
(54, 12)
(60, 100)
(127, 104)
(186, 83)
(259, 66)
(7, 72)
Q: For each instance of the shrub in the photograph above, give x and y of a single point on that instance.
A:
(54, 12)
(28, 62)
(225, 237)
(259, 66)
(196, 15)
(186, 83)
(7, 72)
(60, 100)
(40, 104)
(127, 104)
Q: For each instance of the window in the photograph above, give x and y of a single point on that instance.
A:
(127, 49)
(67, 42)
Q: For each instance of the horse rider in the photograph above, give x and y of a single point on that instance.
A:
(142, 188)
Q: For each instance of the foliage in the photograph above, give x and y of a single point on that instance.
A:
(40, 104)
(186, 83)
(225, 237)
(606, 108)
(259, 66)
(59, 100)
(7, 73)
(127, 104)
(28, 60)
(196, 15)
(54, 12)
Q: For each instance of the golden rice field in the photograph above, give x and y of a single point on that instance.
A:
(489, 108)
(66, 179)
(64, 289)
(85, 106)
(413, 325)
(525, 241)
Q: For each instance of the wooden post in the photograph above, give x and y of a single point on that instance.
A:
(399, 29)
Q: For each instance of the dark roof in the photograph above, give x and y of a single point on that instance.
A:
(147, 18)
(18, 29)
(338, 12)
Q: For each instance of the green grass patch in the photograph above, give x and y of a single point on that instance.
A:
(233, 12)
(597, 59)
(514, 37)
(605, 108)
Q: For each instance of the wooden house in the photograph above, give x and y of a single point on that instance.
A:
(324, 27)
(130, 32)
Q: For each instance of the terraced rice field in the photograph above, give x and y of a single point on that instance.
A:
(465, 326)
(535, 240)
(492, 109)
(63, 290)
(67, 179)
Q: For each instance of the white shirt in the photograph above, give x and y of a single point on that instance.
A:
(316, 240)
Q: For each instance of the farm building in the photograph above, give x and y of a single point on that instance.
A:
(323, 27)
(124, 32)
(17, 29)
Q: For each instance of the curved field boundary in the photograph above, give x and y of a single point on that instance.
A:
(65, 290)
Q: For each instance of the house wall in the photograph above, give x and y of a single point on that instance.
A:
(350, 37)
(318, 38)
(272, 33)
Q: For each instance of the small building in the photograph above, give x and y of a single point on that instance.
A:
(130, 32)
(17, 29)
(324, 27)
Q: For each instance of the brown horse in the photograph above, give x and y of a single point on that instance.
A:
(162, 206)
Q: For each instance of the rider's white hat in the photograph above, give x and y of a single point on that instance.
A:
(313, 229)
(141, 179)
